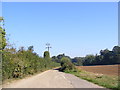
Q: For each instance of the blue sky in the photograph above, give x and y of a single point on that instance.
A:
(73, 28)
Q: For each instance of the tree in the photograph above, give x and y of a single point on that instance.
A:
(116, 49)
(103, 52)
(2, 35)
(60, 56)
(117, 59)
(31, 48)
(55, 59)
(78, 61)
(89, 59)
(46, 55)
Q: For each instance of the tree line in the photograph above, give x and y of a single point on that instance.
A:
(106, 57)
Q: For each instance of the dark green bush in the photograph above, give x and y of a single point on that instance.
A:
(66, 65)
(46, 55)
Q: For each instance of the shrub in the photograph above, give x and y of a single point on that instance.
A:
(66, 65)
(46, 55)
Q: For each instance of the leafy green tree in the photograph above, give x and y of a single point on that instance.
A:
(59, 57)
(116, 49)
(104, 52)
(2, 35)
(31, 48)
(89, 59)
(55, 59)
(78, 61)
(117, 59)
(98, 60)
(46, 55)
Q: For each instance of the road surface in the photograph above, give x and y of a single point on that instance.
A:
(51, 79)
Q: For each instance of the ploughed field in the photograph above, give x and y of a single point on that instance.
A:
(102, 69)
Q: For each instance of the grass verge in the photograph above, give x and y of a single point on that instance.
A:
(106, 81)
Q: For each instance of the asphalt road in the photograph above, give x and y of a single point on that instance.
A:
(51, 79)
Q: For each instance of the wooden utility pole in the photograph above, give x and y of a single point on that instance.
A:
(48, 46)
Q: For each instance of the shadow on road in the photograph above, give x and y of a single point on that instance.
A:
(58, 69)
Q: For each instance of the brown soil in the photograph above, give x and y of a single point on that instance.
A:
(102, 69)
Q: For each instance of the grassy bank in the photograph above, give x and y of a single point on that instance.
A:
(106, 81)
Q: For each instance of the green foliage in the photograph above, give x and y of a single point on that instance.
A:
(17, 64)
(59, 57)
(106, 57)
(46, 55)
(31, 48)
(78, 61)
(116, 49)
(2, 35)
(66, 64)
(88, 59)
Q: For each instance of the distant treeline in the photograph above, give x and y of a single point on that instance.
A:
(106, 57)
(17, 64)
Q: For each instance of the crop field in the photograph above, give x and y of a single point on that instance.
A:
(102, 69)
